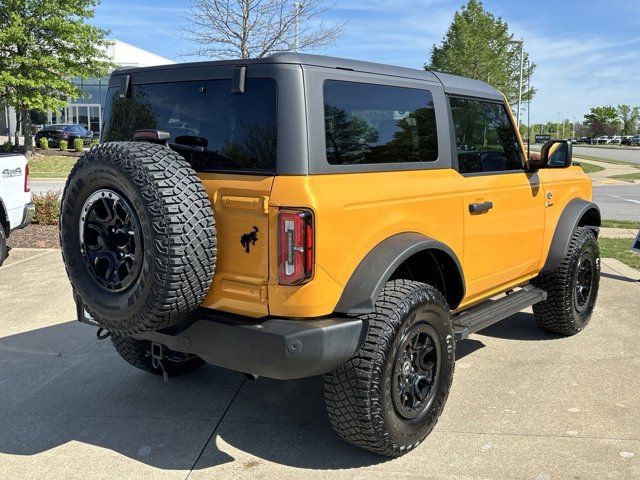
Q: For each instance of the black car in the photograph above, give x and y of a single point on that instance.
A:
(55, 133)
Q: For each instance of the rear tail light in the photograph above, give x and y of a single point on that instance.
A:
(295, 246)
(27, 187)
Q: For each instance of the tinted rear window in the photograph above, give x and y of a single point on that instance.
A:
(210, 126)
(367, 123)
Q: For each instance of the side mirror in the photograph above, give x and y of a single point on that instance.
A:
(556, 154)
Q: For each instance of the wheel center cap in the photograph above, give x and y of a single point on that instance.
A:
(406, 367)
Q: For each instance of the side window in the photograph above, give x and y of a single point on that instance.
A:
(485, 138)
(367, 123)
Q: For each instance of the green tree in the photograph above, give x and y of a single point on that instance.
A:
(602, 121)
(44, 44)
(629, 116)
(478, 45)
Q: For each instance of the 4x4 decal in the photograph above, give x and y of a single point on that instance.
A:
(8, 173)
(248, 239)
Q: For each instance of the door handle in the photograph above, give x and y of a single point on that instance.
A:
(475, 208)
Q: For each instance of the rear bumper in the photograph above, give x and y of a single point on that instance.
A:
(275, 348)
(27, 215)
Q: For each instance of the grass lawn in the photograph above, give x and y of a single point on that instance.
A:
(627, 176)
(590, 167)
(621, 224)
(51, 166)
(619, 248)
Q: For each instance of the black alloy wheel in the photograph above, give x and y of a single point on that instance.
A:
(111, 240)
(415, 371)
(583, 284)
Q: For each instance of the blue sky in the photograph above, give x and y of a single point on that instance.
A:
(588, 53)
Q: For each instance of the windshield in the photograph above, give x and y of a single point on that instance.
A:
(210, 126)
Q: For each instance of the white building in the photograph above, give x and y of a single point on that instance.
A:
(87, 110)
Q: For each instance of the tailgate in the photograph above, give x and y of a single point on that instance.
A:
(13, 169)
(240, 207)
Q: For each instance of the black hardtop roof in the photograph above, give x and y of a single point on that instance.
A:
(452, 83)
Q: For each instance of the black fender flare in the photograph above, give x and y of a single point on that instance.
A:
(576, 213)
(375, 269)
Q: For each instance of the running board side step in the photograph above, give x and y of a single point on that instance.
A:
(487, 313)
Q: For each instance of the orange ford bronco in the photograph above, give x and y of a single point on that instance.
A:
(301, 215)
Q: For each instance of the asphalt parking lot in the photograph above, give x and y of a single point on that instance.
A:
(619, 154)
(619, 202)
(524, 403)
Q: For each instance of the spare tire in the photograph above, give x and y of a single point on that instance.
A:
(138, 236)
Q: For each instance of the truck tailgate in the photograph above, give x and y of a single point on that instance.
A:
(240, 207)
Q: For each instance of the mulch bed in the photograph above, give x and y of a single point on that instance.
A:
(53, 152)
(35, 236)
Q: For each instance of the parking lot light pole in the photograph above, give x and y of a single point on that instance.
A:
(297, 6)
(521, 43)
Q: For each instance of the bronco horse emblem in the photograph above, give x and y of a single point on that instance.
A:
(248, 239)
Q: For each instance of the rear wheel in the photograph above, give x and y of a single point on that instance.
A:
(572, 287)
(388, 398)
(138, 353)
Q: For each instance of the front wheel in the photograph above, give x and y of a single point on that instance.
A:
(572, 287)
(388, 398)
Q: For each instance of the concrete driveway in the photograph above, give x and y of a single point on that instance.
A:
(524, 403)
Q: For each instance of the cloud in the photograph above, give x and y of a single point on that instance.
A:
(580, 70)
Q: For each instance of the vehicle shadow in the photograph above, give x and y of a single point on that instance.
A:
(620, 278)
(521, 326)
(59, 384)
(467, 347)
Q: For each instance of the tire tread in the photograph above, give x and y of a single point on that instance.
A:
(555, 313)
(185, 249)
(351, 392)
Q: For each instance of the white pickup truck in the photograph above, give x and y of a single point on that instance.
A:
(16, 209)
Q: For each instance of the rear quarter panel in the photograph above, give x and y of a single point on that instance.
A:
(353, 213)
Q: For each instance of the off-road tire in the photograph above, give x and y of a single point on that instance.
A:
(178, 235)
(358, 394)
(558, 313)
(138, 353)
(3, 245)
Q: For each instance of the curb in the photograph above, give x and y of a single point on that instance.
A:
(622, 268)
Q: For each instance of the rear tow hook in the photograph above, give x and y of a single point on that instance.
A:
(157, 354)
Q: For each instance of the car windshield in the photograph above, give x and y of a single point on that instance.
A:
(212, 127)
